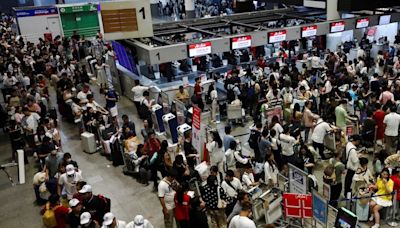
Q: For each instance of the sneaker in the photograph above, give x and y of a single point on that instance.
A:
(375, 226)
(371, 218)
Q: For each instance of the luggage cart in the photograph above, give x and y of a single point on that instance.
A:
(235, 112)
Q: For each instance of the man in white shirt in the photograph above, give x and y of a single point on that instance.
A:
(166, 195)
(242, 220)
(287, 142)
(139, 221)
(352, 161)
(391, 121)
(248, 177)
(315, 61)
(137, 91)
(82, 95)
(109, 221)
(320, 130)
(67, 182)
(30, 123)
(231, 186)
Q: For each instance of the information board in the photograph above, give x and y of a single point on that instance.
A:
(297, 205)
(241, 42)
(362, 23)
(309, 31)
(320, 208)
(199, 49)
(297, 180)
(36, 12)
(337, 26)
(277, 36)
(196, 133)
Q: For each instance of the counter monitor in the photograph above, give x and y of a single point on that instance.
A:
(337, 26)
(384, 19)
(277, 36)
(241, 42)
(362, 23)
(309, 31)
(199, 49)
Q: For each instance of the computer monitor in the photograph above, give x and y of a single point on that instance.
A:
(345, 219)
(384, 19)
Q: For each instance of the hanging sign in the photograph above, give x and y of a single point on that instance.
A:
(196, 133)
(241, 42)
(309, 31)
(277, 36)
(337, 26)
(199, 49)
(362, 23)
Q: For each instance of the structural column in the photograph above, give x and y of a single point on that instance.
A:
(331, 10)
(189, 9)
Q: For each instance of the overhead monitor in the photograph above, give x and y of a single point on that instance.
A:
(309, 31)
(362, 23)
(241, 42)
(384, 19)
(199, 49)
(337, 26)
(277, 36)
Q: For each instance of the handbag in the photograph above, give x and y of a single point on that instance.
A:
(221, 203)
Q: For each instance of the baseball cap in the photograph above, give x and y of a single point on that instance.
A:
(108, 219)
(139, 221)
(86, 188)
(85, 218)
(70, 169)
(73, 202)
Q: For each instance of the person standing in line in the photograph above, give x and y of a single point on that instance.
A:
(353, 162)
(242, 220)
(110, 221)
(216, 152)
(228, 138)
(137, 91)
(166, 194)
(308, 118)
(139, 222)
(392, 122)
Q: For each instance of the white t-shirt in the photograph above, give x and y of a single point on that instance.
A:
(146, 224)
(287, 143)
(278, 129)
(352, 157)
(232, 191)
(138, 92)
(32, 122)
(248, 179)
(320, 131)
(69, 184)
(241, 222)
(82, 96)
(392, 121)
(165, 190)
(271, 173)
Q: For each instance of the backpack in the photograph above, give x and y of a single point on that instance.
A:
(49, 217)
(144, 111)
(251, 92)
(345, 157)
(107, 203)
(230, 95)
(254, 139)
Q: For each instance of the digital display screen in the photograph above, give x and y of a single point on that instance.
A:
(384, 19)
(309, 31)
(241, 42)
(199, 49)
(277, 36)
(337, 26)
(345, 219)
(362, 23)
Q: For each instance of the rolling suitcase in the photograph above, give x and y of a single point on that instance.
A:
(88, 143)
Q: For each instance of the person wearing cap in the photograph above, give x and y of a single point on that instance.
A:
(67, 182)
(353, 161)
(96, 205)
(109, 221)
(139, 222)
(391, 122)
(87, 221)
(73, 218)
(60, 211)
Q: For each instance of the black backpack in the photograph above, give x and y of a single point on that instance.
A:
(230, 95)
(254, 139)
(144, 111)
(345, 157)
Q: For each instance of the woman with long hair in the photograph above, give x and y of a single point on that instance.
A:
(271, 170)
(182, 206)
(213, 96)
(216, 151)
(276, 125)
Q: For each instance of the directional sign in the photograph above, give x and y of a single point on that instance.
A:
(126, 19)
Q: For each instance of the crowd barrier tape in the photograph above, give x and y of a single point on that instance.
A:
(362, 197)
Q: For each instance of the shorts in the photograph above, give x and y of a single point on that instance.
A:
(114, 111)
(382, 202)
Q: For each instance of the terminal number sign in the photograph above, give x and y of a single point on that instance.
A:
(362, 23)
(199, 49)
(309, 31)
(277, 36)
(337, 26)
(241, 42)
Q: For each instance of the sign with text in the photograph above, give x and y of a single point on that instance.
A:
(199, 49)
(36, 12)
(277, 36)
(309, 31)
(337, 26)
(362, 23)
(297, 205)
(126, 19)
(297, 180)
(241, 42)
(196, 125)
(78, 8)
(320, 208)
(384, 19)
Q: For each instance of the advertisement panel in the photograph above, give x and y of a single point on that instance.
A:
(297, 180)
(320, 208)
(36, 12)
(297, 205)
(196, 132)
(199, 49)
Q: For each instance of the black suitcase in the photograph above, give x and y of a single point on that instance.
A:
(116, 153)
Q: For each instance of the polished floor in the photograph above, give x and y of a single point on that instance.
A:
(128, 197)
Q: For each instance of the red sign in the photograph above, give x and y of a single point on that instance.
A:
(241, 42)
(362, 23)
(371, 31)
(199, 49)
(297, 205)
(277, 36)
(196, 117)
(337, 26)
(309, 31)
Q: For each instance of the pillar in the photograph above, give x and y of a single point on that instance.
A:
(331, 10)
(189, 9)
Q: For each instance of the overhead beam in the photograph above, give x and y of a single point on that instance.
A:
(294, 16)
(166, 42)
(244, 25)
(199, 30)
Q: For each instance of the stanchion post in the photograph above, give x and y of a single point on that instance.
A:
(21, 166)
(393, 223)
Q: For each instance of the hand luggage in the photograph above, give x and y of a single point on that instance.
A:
(88, 143)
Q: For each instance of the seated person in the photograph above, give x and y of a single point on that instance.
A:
(182, 95)
(131, 142)
(95, 106)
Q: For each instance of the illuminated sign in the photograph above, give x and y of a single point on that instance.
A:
(337, 26)
(241, 42)
(309, 31)
(277, 36)
(199, 49)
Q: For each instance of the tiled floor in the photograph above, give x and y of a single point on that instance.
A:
(128, 197)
